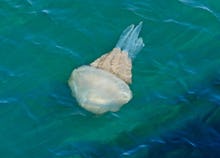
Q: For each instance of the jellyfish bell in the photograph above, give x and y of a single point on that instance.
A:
(99, 91)
(102, 86)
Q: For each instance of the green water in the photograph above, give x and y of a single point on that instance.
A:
(42, 41)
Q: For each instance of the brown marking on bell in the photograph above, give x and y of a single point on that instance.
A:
(116, 62)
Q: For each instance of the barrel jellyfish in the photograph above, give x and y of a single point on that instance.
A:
(103, 85)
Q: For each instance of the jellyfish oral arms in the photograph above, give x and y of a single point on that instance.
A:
(103, 86)
(130, 42)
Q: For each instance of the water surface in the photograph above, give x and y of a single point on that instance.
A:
(176, 75)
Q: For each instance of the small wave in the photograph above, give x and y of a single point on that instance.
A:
(41, 40)
(16, 4)
(141, 10)
(69, 51)
(7, 75)
(196, 4)
(6, 72)
(185, 24)
(136, 149)
(7, 100)
(29, 2)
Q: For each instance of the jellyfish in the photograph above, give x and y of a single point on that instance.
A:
(103, 85)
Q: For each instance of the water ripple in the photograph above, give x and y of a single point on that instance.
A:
(7, 100)
(7, 72)
(186, 24)
(69, 51)
(196, 4)
(136, 11)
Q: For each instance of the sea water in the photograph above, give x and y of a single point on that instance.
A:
(176, 77)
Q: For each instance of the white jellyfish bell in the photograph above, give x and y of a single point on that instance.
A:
(102, 86)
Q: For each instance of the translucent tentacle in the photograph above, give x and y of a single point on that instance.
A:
(136, 48)
(129, 41)
(125, 34)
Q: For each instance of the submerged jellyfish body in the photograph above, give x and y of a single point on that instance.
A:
(102, 86)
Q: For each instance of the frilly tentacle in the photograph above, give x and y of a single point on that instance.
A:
(129, 41)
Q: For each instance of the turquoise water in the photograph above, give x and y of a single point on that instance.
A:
(175, 77)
